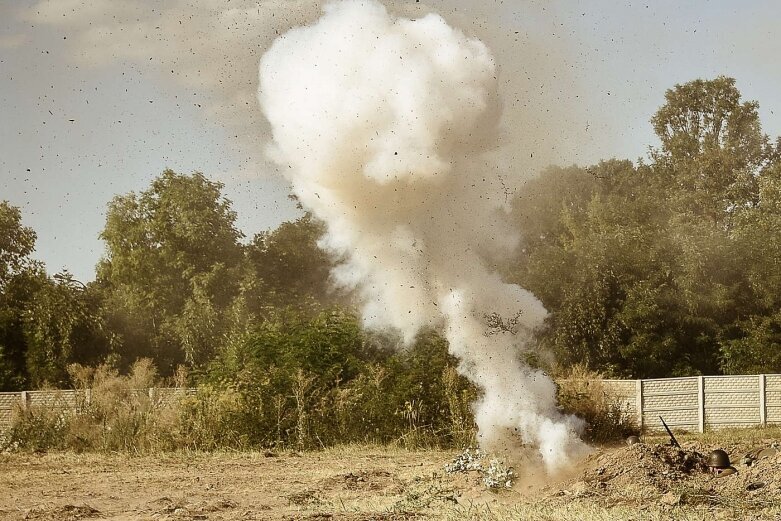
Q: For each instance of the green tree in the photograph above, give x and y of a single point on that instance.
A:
(20, 278)
(616, 280)
(173, 257)
(289, 266)
(712, 148)
(751, 344)
(758, 239)
(537, 213)
(757, 348)
(633, 288)
(62, 325)
(668, 268)
(17, 242)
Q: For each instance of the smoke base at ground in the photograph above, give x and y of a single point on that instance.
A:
(385, 128)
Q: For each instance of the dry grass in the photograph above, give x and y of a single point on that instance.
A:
(582, 393)
(348, 482)
(721, 437)
(355, 482)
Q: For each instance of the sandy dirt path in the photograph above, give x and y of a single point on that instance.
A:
(214, 486)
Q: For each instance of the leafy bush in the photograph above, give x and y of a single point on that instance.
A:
(314, 381)
(295, 381)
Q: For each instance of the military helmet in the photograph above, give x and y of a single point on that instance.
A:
(718, 459)
(632, 440)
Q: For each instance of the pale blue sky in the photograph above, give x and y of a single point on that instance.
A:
(148, 89)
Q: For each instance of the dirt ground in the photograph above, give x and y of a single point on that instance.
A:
(647, 481)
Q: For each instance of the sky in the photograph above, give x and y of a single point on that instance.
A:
(98, 97)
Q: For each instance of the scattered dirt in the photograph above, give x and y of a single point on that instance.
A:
(62, 513)
(342, 484)
(358, 484)
(374, 480)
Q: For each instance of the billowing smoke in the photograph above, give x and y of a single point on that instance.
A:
(384, 127)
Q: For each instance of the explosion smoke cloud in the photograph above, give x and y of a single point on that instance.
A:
(383, 126)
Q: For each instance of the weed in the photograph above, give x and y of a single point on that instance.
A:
(581, 393)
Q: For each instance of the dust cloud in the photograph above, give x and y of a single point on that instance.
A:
(203, 55)
(385, 127)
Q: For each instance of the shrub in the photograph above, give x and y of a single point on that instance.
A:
(209, 420)
(582, 393)
(38, 429)
(295, 381)
(316, 381)
(112, 413)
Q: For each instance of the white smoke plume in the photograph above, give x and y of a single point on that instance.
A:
(383, 126)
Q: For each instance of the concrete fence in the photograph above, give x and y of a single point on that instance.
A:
(697, 403)
(692, 403)
(70, 399)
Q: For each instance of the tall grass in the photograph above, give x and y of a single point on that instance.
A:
(112, 413)
(118, 413)
(115, 412)
(582, 393)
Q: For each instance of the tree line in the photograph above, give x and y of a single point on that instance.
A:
(667, 266)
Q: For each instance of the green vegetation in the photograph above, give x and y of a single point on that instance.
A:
(667, 268)
(661, 268)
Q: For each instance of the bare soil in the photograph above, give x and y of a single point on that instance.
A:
(681, 476)
(646, 481)
(227, 486)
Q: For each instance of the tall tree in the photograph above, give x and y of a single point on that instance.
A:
(172, 255)
(291, 268)
(20, 277)
(752, 344)
(712, 147)
(648, 272)
(17, 242)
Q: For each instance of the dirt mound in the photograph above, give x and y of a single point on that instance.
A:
(680, 475)
(640, 464)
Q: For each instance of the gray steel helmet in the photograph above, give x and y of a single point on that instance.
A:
(632, 440)
(718, 459)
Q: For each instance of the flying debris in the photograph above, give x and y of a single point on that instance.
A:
(384, 123)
